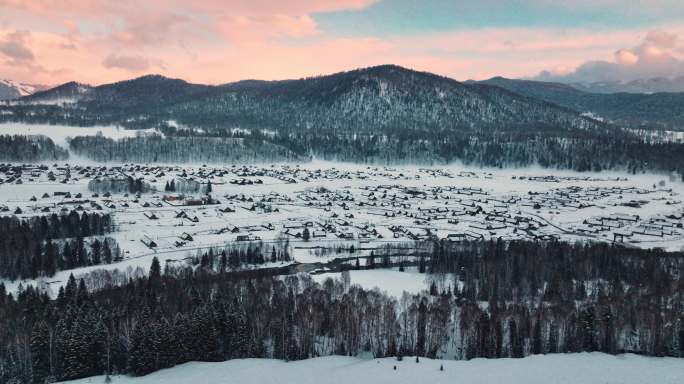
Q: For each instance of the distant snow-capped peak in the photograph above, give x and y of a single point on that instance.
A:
(12, 89)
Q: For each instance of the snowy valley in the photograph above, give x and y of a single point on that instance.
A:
(154, 230)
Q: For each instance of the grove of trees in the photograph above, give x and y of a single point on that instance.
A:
(26, 148)
(42, 245)
(494, 299)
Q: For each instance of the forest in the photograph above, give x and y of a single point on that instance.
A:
(42, 245)
(181, 150)
(123, 184)
(22, 148)
(575, 151)
(488, 299)
(548, 148)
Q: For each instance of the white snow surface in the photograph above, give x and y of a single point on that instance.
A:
(581, 368)
(60, 133)
(23, 89)
(300, 202)
(391, 281)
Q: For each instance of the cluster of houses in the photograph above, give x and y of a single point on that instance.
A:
(624, 227)
(245, 203)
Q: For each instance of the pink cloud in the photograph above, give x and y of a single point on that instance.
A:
(626, 57)
(250, 30)
(217, 41)
(658, 55)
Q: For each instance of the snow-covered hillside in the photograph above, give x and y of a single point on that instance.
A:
(11, 89)
(582, 368)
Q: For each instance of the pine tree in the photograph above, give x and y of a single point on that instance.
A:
(371, 261)
(37, 262)
(77, 351)
(81, 293)
(99, 349)
(106, 252)
(81, 253)
(154, 279)
(50, 267)
(141, 360)
(68, 256)
(41, 361)
(96, 252)
(169, 347)
(61, 337)
(71, 288)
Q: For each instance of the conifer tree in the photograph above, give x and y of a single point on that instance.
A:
(154, 279)
(41, 359)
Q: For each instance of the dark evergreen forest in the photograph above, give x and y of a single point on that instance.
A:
(30, 148)
(43, 245)
(490, 299)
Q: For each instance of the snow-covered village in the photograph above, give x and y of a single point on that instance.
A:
(313, 212)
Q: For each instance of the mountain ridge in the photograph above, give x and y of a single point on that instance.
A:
(384, 114)
(363, 96)
(12, 90)
(661, 110)
(648, 85)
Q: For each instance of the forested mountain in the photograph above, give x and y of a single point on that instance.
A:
(380, 100)
(652, 85)
(383, 114)
(636, 110)
(66, 93)
(12, 90)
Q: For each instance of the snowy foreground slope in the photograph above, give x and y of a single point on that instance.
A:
(578, 368)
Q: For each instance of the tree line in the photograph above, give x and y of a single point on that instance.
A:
(517, 145)
(566, 297)
(124, 184)
(489, 299)
(235, 255)
(529, 145)
(156, 148)
(26, 148)
(42, 245)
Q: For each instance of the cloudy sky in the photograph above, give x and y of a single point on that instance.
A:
(214, 41)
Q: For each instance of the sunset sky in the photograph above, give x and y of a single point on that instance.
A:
(54, 41)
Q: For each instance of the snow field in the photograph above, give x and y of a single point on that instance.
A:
(581, 368)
